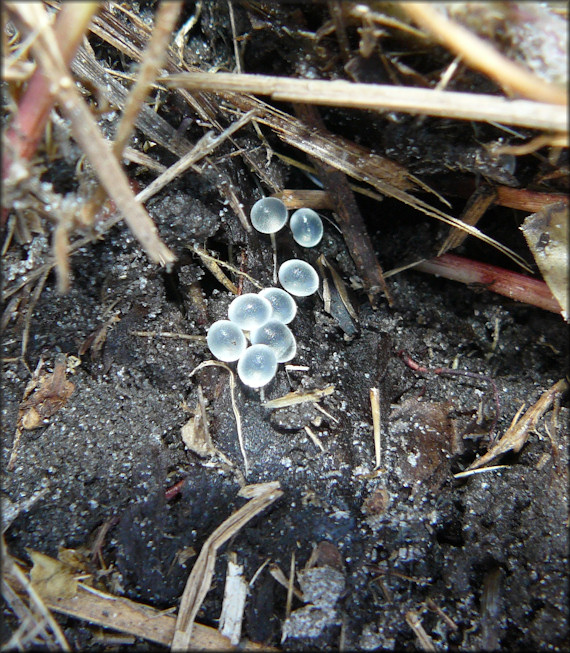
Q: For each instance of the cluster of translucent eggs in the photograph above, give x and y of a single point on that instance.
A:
(269, 215)
(263, 317)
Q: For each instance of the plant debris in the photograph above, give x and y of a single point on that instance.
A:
(546, 233)
(140, 501)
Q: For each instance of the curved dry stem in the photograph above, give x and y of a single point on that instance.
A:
(212, 363)
(483, 56)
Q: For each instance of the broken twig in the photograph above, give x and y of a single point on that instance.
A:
(201, 576)
(519, 431)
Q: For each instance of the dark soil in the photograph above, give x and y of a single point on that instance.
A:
(490, 550)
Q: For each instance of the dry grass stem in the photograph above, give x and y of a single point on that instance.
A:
(417, 101)
(155, 128)
(206, 145)
(299, 397)
(364, 13)
(200, 578)
(168, 334)
(326, 294)
(315, 199)
(179, 39)
(483, 470)
(134, 156)
(432, 605)
(278, 575)
(130, 41)
(340, 286)
(153, 57)
(290, 587)
(376, 425)
(234, 37)
(18, 578)
(118, 613)
(482, 198)
(425, 642)
(362, 164)
(286, 128)
(215, 264)
(11, 510)
(60, 250)
(326, 413)
(518, 432)
(536, 143)
(483, 56)
(258, 572)
(203, 415)
(32, 631)
(314, 438)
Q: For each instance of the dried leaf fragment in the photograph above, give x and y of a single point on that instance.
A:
(51, 578)
(428, 435)
(195, 433)
(546, 233)
(52, 394)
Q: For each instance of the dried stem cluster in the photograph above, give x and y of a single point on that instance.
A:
(56, 47)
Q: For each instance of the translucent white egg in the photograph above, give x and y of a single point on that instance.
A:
(226, 340)
(249, 311)
(298, 278)
(257, 366)
(283, 305)
(278, 336)
(268, 215)
(307, 227)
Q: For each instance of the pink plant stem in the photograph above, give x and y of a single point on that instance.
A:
(29, 123)
(516, 286)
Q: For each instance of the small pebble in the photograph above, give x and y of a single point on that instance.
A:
(283, 305)
(249, 311)
(298, 278)
(257, 366)
(307, 227)
(279, 337)
(226, 341)
(268, 215)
